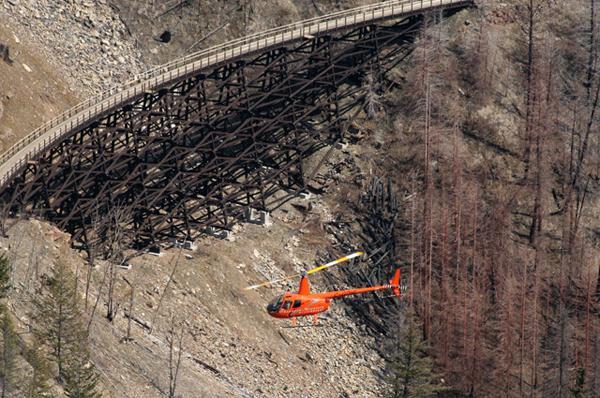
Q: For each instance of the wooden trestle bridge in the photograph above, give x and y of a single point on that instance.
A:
(194, 143)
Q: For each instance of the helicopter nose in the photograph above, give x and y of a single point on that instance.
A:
(272, 310)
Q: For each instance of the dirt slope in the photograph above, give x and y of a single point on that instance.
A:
(31, 91)
(231, 347)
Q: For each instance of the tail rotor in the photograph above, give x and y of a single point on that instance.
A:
(395, 283)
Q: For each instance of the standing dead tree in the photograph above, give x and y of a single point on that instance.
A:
(167, 286)
(130, 309)
(372, 96)
(110, 243)
(91, 254)
(115, 247)
(175, 342)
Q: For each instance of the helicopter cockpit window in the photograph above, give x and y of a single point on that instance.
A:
(275, 304)
(286, 305)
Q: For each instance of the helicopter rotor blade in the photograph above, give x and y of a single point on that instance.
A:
(335, 262)
(312, 271)
(264, 284)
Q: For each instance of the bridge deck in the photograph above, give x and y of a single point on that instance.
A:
(39, 140)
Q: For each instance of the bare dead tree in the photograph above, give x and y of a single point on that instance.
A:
(31, 274)
(247, 10)
(475, 302)
(175, 342)
(207, 36)
(564, 276)
(92, 244)
(445, 294)
(98, 295)
(166, 289)
(412, 240)
(130, 309)
(110, 243)
(372, 97)
(115, 256)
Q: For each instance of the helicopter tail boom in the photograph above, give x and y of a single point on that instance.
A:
(394, 285)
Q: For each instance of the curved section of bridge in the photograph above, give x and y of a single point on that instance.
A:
(194, 143)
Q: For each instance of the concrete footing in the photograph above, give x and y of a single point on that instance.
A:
(304, 195)
(259, 217)
(264, 218)
(218, 233)
(186, 244)
(155, 251)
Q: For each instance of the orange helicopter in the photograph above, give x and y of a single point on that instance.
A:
(304, 303)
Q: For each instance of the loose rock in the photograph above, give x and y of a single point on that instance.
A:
(88, 43)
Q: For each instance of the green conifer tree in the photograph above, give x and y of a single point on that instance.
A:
(5, 271)
(38, 385)
(59, 325)
(80, 375)
(8, 362)
(410, 368)
(56, 313)
(578, 390)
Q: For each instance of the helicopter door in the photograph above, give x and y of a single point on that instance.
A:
(287, 305)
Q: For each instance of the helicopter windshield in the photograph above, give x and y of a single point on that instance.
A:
(275, 304)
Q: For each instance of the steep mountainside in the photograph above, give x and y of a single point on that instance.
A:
(474, 166)
(230, 346)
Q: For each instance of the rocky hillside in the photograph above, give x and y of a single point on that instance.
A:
(174, 28)
(62, 51)
(231, 347)
(487, 143)
(85, 42)
(31, 90)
